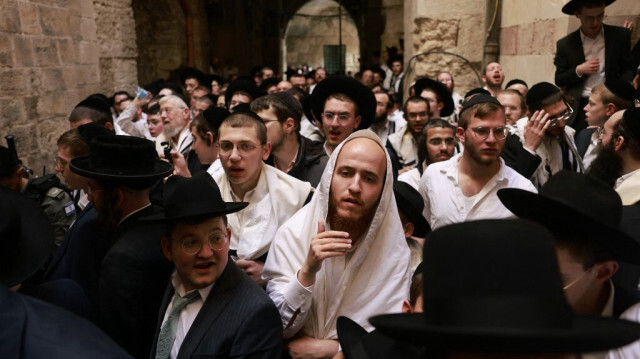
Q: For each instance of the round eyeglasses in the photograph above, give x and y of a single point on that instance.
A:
(191, 246)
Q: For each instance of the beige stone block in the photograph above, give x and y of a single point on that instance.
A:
(86, 52)
(31, 107)
(26, 139)
(44, 106)
(88, 29)
(70, 77)
(15, 82)
(54, 21)
(52, 80)
(23, 51)
(45, 51)
(89, 76)
(509, 40)
(11, 113)
(6, 50)
(530, 68)
(543, 37)
(9, 18)
(29, 18)
(67, 51)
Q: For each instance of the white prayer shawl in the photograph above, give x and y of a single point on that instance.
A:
(549, 151)
(405, 146)
(374, 281)
(275, 199)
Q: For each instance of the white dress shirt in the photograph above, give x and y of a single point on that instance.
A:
(445, 204)
(593, 49)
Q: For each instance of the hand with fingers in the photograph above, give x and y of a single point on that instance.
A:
(535, 129)
(325, 244)
(588, 67)
(253, 269)
(180, 167)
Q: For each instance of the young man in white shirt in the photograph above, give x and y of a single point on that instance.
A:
(464, 187)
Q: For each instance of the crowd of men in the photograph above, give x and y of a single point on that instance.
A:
(325, 216)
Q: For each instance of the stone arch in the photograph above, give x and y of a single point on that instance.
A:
(314, 25)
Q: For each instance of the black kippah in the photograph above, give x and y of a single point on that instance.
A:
(290, 102)
(478, 99)
(621, 89)
(631, 119)
(95, 103)
(91, 130)
(214, 116)
(540, 92)
(516, 82)
(476, 91)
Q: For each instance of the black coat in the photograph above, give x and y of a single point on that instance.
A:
(133, 276)
(310, 162)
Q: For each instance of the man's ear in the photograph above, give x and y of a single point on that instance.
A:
(210, 138)
(289, 126)
(109, 126)
(460, 134)
(484, 79)
(611, 109)
(166, 248)
(619, 144)
(408, 228)
(406, 307)
(605, 270)
(266, 151)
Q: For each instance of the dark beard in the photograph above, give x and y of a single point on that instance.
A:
(355, 228)
(377, 120)
(607, 166)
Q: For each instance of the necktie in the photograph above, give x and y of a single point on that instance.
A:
(168, 331)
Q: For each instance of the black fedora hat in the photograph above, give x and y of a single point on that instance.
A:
(410, 202)
(26, 237)
(195, 196)
(242, 84)
(581, 203)
(493, 286)
(427, 83)
(359, 93)
(574, 5)
(356, 343)
(125, 160)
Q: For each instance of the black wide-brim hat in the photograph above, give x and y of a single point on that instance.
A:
(194, 197)
(574, 5)
(494, 286)
(359, 93)
(26, 237)
(122, 160)
(410, 202)
(427, 83)
(580, 204)
(242, 84)
(356, 343)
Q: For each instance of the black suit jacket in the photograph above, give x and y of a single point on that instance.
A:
(133, 276)
(583, 140)
(34, 329)
(238, 320)
(570, 54)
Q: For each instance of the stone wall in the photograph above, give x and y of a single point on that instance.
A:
(54, 53)
(305, 37)
(530, 31)
(393, 12)
(453, 26)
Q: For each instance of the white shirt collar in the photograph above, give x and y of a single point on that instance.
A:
(584, 37)
(176, 282)
(625, 177)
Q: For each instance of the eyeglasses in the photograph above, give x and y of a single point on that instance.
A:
(584, 274)
(422, 114)
(192, 246)
(244, 148)
(564, 117)
(343, 118)
(500, 133)
(438, 141)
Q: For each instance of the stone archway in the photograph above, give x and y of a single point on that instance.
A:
(312, 27)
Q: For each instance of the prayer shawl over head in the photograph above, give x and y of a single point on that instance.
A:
(374, 281)
(275, 199)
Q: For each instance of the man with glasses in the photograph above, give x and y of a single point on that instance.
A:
(591, 54)
(343, 105)
(210, 305)
(273, 195)
(403, 145)
(464, 187)
(542, 144)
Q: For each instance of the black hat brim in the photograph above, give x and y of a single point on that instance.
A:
(82, 166)
(586, 334)
(349, 334)
(359, 93)
(190, 210)
(555, 214)
(440, 89)
(572, 6)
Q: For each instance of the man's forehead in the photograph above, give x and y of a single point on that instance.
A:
(363, 151)
(439, 132)
(242, 133)
(335, 103)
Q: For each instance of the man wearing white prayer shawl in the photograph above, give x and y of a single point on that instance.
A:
(273, 195)
(342, 254)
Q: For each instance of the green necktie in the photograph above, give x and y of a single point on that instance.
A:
(168, 331)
